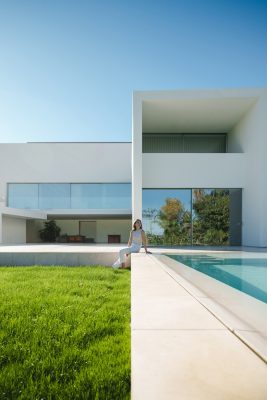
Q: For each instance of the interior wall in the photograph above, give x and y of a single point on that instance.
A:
(69, 227)
(32, 230)
(13, 230)
(116, 227)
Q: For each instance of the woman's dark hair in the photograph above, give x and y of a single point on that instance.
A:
(137, 220)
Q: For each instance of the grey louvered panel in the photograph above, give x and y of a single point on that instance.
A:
(204, 144)
(162, 143)
(184, 143)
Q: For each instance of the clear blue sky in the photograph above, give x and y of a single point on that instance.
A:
(68, 68)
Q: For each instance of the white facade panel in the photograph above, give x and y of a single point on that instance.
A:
(193, 170)
(13, 230)
(137, 158)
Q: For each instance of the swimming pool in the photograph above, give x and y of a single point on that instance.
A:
(249, 275)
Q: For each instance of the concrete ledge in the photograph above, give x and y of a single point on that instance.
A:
(69, 259)
(60, 254)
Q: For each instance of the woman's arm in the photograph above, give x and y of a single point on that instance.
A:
(130, 239)
(144, 240)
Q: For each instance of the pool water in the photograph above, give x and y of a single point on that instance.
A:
(249, 275)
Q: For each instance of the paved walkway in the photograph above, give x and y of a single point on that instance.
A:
(180, 351)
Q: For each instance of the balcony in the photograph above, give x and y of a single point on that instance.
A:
(187, 170)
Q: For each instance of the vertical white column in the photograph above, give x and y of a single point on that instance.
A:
(137, 157)
(1, 227)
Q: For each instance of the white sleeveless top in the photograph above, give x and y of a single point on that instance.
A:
(137, 237)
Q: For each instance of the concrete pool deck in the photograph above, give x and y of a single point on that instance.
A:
(180, 349)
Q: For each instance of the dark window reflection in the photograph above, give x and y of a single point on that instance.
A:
(217, 216)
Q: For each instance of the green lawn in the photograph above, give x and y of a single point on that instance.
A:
(64, 333)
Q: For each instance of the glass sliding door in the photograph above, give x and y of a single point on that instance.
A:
(217, 216)
(193, 216)
(167, 216)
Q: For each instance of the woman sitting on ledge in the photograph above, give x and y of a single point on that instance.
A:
(136, 239)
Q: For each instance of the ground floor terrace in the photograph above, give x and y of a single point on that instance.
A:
(21, 226)
(193, 337)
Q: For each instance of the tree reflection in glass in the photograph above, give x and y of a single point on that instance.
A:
(211, 216)
(167, 216)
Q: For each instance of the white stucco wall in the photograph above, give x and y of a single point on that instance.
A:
(250, 137)
(137, 157)
(64, 162)
(13, 230)
(193, 170)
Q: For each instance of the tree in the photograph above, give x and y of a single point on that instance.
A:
(50, 232)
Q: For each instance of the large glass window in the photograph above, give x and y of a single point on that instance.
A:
(193, 217)
(117, 195)
(86, 195)
(101, 195)
(217, 216)
(66, 195)
(54, 195)
(23, 195)
(167, 216)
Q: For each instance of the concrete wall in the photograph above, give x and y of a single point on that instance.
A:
(250, 137)
(137, 157)
(13, 230)
(193, 170)
(63, 162)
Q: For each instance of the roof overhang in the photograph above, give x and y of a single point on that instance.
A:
(199, 111)
(89, 214)
(66, 213)
(22, 213)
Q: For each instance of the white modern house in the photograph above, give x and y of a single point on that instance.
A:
(196, 172)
